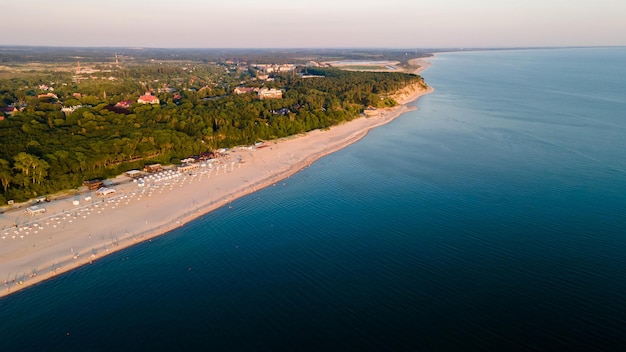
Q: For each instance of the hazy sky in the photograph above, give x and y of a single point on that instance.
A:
(319, 23)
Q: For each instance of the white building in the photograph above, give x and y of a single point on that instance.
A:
(35, 209)
(265, 93)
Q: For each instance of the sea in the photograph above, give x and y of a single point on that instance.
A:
(491, 218)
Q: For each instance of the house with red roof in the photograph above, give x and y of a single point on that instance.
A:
(8, 111)
(148, 98)
(124, 104)
(47, 96)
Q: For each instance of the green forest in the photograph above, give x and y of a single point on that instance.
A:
(45, 150)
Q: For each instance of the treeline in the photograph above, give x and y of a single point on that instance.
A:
(44, 151)
(24, 54)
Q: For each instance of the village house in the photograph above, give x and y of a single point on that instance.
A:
(166, 90)
(9, 111)
(148, 98)
(70, 109)
(282, 112)
(244, 90)
(265, 93)
(124, 104)
(48, 95)
(303, 75)
(270, 68)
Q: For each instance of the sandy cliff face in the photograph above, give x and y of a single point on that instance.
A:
(408, 93)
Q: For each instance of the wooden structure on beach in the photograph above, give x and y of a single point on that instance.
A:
(93, 184)
(152, 168)
(188, 167)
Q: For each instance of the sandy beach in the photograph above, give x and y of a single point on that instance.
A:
(423, 63)
(34, 248)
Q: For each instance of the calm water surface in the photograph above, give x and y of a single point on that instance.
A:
(492, 218)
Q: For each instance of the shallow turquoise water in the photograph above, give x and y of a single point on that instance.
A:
(492, 218)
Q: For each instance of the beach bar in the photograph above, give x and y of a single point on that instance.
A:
(188, 167)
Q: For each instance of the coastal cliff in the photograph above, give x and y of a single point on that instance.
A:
(407, 94)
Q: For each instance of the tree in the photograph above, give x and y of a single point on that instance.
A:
(40, 172)
(5, 174)
(31, 165)
(53, 152)
(23, 162)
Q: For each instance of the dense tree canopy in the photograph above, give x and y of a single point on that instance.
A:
(44, 150)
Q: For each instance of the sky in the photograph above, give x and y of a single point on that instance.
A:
(314, 24)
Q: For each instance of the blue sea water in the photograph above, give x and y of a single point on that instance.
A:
(492, 218)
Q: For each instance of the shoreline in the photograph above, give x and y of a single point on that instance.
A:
(423, 63)
(69, 236)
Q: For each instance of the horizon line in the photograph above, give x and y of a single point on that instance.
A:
(313, 48)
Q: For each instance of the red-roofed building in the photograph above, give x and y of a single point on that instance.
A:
(48, 96)
(125, 104)
(8, 111)
(148, 98)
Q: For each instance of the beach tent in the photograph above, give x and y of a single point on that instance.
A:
(104, 191)
(134, 173)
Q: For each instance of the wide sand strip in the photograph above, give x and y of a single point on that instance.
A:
(34, 248)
